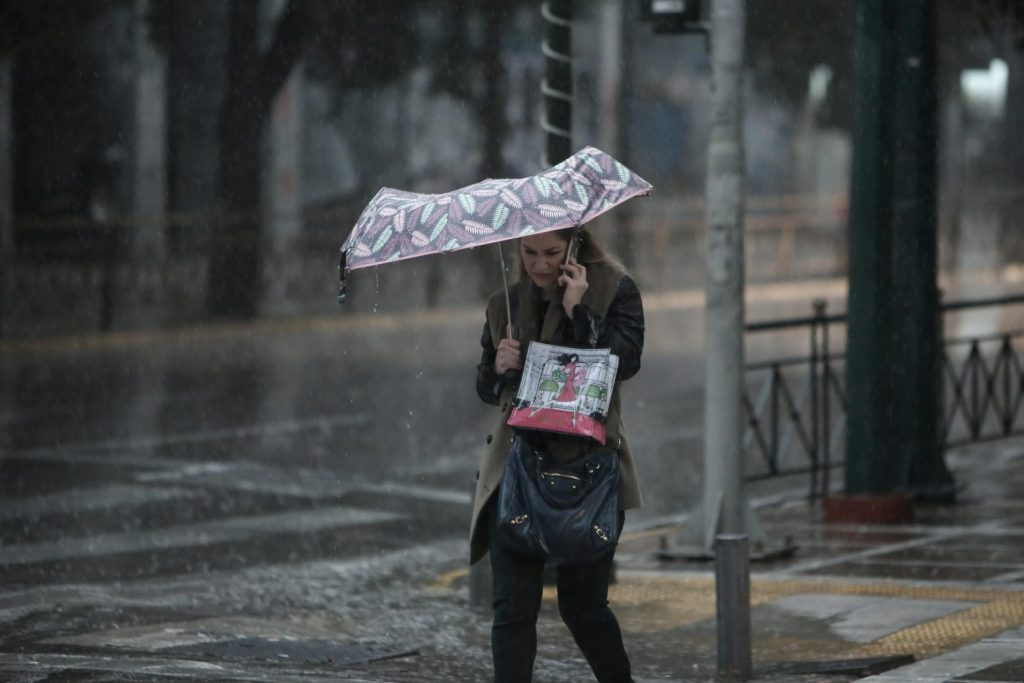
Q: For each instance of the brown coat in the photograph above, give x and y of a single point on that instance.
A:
(603, 284)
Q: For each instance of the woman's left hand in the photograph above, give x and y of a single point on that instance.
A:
(574, 279)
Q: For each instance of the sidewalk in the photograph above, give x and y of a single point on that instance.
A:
(936, 601)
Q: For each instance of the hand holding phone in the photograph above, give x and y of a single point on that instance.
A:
(573, 277)
(574, 248)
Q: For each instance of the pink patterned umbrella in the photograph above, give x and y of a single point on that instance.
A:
(398, 225)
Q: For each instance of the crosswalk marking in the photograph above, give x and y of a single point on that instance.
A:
(85, 500)
(67, 451)
(199, 534)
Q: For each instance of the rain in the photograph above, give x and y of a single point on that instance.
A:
(210, 469)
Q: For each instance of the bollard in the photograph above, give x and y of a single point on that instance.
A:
(732, 593)
(481, 590)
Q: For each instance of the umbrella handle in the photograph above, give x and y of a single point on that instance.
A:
(342, 272)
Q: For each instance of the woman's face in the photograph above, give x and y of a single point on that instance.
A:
(542, 255)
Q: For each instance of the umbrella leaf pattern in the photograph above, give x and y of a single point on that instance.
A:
(382, 240)
(425, 215)
(623, 172)
(397, 225)
(581, 192)
(439, 227)
(468, 202)
(499, 217)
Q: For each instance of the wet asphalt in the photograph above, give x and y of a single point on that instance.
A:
(288, 500)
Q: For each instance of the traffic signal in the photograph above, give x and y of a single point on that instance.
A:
(672, 16)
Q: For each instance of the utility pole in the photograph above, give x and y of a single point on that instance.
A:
(725, 508)
(6, 190)
(557, 85)
(724, 311)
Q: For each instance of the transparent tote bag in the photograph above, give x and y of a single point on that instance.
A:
(565, 390)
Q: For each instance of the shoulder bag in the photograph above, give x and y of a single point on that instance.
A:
(560, 514)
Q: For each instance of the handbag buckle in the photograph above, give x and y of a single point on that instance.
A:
(519, 519)
(601, 533)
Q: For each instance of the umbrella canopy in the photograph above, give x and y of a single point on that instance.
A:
(398, 225)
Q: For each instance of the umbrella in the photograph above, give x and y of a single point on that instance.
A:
(398, 225)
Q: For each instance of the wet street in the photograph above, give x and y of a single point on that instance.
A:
(283, 482)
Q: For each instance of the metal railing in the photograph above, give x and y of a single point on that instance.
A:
(796, 407)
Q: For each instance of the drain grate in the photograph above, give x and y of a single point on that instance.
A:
(294, 651)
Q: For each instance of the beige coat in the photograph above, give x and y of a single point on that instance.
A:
(603, 280)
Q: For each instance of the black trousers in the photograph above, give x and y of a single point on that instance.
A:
(582, 604)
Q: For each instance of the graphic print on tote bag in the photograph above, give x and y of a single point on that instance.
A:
(565, 390)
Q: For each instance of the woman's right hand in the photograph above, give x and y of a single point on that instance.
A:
(508, 356)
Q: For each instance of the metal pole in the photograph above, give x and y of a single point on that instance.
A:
(819, 306)
(871, 466)
(915, 257)
(557, 85)
(6, 192)
(732, 605)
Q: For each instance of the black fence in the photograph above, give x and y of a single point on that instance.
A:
(796, 407)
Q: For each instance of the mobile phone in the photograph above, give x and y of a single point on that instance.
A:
(574, 248)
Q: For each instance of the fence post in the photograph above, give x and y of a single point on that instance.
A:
(940, 332)
(826, 405)
(773, 465)
(815, 408)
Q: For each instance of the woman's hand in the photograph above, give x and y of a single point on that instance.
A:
(574, 279)
(508, 356)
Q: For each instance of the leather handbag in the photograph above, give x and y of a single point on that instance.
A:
(560, 514)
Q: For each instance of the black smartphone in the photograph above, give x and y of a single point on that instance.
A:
(574, 248)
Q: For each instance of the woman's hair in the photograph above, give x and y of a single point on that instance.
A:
(591, 249)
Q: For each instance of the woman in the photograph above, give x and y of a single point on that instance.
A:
(586, 303)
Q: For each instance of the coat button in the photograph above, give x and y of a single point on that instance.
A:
(490, 438)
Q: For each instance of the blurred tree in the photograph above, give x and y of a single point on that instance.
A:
(25, 23)
(351, 44)
(471, 70)
(788, 40)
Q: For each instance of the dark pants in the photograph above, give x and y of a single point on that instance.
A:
(582, 603)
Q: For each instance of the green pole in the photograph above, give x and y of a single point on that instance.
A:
(870, 462)
(917, 372)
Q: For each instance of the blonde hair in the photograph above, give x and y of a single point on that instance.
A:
(592, 250)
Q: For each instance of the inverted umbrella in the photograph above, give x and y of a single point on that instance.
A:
(398, 225)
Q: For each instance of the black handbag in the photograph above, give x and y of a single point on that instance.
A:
(560, 514)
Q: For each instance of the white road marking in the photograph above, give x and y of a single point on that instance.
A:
(191, 535)
(420, 492)
(325, 423)
(87, 499)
